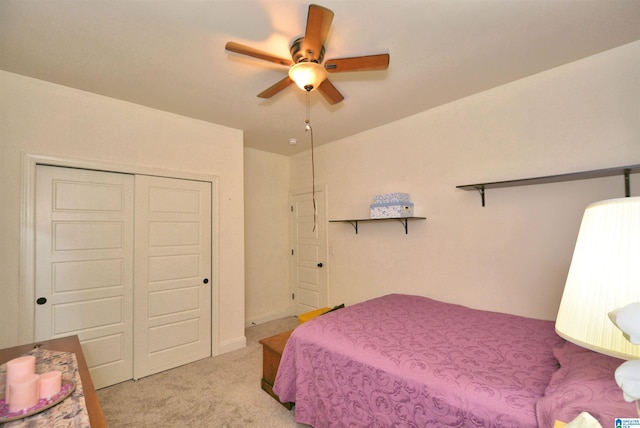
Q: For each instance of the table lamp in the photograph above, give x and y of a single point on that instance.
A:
(600, 306)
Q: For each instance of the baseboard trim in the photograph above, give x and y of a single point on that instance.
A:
(232, 345)
(266, 318)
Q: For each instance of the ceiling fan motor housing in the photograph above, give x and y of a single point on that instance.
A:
(302, 53)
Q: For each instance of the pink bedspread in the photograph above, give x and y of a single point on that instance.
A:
(409, 361)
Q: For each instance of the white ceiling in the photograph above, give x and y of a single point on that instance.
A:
(169, 54)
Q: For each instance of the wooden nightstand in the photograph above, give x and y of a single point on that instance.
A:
(272, 348)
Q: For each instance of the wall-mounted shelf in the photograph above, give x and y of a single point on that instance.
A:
(609, 172)
(403, 220)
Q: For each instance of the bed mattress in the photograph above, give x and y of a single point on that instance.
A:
(402, 360)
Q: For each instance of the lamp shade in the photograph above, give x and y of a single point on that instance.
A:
(604, 276)
(308, 75)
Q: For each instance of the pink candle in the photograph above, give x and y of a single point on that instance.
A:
(50, 383)
(16, 369)
(24, 393)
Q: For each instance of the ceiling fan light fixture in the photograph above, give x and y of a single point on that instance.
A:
(308, 75)
(307, 55)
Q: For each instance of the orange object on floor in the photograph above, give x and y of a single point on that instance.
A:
(312, 314)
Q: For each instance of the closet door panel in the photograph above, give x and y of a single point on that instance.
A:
(84, 266)
(173, 271)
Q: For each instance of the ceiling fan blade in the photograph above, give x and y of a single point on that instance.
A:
(277, 87)
(330, 92)
(318, 25)
(246, 50)
(358, 63)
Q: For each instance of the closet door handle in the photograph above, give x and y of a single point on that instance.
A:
(205, 281)
(41, 300)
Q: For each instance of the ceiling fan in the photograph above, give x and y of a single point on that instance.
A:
(307, 52)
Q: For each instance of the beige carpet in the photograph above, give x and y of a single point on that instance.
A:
(222, 391)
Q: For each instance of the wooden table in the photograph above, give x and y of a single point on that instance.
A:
(66, 344)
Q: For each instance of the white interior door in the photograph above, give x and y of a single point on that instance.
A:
(309, 252)
(84, 266)
(173, 272)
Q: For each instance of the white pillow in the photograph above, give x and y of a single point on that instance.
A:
(584, 420)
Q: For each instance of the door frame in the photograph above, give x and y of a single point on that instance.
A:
(26, 297)
(292, 264)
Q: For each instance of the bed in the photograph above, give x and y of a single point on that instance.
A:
(410, 361)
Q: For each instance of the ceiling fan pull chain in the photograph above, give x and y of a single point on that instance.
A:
(313, 172)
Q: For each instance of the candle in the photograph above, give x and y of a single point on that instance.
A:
(24, 393)
(50, 384)
(16, 369)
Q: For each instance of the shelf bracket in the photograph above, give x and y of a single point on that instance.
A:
(354, 223)
(405, 222)
(480, 189)
(627, 183)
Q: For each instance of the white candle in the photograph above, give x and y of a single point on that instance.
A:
(16, 369)
(24, 393)
(50, 383)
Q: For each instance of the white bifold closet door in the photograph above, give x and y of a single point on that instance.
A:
(124, 262)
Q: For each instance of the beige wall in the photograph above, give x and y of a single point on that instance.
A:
(512, 255)
(41, 118)
(266, 236)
